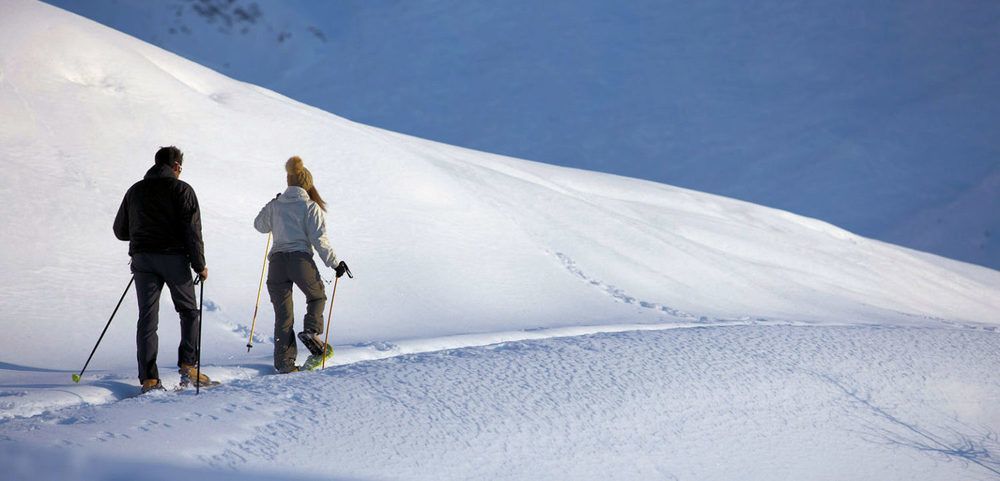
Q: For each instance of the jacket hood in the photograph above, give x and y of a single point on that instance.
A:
(159, 171)
(293, 194)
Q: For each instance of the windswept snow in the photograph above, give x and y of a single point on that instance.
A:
(717, 403)
(625, 328)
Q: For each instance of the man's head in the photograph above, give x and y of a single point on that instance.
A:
(171, 157)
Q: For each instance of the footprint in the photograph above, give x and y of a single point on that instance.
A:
(106, 436)
(616, 293)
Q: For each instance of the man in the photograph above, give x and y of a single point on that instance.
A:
(160, 218)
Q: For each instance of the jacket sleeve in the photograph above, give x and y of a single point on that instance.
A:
(191, 218)
(315, 224)
(121, 221)
(263, 221)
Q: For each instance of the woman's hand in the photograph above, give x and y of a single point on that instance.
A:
(343, 269)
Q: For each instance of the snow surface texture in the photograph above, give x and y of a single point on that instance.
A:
(880, 118)
(454, 248)
(818, 403)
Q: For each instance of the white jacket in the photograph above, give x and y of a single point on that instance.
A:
(298, 225)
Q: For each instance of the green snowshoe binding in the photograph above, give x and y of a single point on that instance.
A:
(312, 342)
(316, 361)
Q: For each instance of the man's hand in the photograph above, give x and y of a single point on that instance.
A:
(203, 275)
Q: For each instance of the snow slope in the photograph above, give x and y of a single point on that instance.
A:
(443, 240)
(454, 248)
(878, 118)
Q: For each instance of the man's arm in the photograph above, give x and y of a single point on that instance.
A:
(191, 220)
(121, 221)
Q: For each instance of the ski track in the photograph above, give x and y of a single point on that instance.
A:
(862, 401)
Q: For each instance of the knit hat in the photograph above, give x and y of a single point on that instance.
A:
(298, 174)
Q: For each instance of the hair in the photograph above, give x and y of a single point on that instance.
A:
(299, 175)
(314, 195)
(169, 156)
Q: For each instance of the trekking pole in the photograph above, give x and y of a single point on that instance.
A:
(76, 377)
(329, 315)
(260, 287)
(197, 352)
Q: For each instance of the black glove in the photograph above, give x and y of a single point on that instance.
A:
(279, 195)
(343, 269)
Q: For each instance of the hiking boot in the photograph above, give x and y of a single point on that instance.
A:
(189, 373)
(152, 385)
(311, 340)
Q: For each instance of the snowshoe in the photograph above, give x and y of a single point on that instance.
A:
(315, 361)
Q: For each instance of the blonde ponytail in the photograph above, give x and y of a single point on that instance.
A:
(314, 195)
(299, 175)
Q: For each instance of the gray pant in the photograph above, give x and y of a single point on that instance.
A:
(151, 271)
(297, 268)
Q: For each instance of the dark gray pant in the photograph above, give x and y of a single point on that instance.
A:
(297, 268)
(151, 271)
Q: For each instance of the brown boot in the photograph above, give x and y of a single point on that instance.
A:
(152, 385)
(189, 373)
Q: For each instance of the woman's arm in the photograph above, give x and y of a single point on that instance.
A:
(263, 221)
(315, 224)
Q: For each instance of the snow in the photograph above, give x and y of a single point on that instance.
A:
(738, 402)
(508, 319)
(879, 118)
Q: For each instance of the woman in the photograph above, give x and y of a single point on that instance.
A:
(295, 219)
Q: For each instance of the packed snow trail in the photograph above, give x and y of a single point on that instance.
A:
(738, 402)
(41, 390)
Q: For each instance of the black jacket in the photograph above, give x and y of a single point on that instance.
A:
(160, 214)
